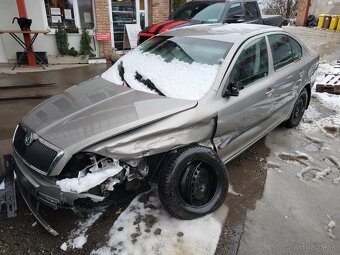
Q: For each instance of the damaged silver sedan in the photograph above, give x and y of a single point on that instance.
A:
(172, 111)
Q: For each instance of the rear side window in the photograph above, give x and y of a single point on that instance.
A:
(235, 9)
(281, 50)
(252, 12)
(252, 63)
(285, 50)
(296, 49)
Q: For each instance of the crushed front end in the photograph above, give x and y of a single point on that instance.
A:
(86, 177)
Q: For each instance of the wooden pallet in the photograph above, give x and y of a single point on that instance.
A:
(330, 84)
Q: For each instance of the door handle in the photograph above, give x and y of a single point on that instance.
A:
(269, 92)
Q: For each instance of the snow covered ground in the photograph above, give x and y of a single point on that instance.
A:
(78, 237)
(302, 189)
(146, 228)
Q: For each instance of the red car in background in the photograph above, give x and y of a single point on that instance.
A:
(213, 11)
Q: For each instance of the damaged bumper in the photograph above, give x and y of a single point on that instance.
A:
(36, 188)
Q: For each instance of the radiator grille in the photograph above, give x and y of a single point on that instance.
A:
(37, 154)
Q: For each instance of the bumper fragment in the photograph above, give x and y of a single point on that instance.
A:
(35, 211)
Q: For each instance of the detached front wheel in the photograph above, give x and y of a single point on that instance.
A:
(192, 183)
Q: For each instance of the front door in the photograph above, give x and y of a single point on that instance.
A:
(127, 12)
(142, 13)
(244, 118)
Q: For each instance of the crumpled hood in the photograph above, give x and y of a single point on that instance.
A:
(96, 110)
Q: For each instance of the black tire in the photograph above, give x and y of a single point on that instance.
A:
(193, 182)
(298, 110)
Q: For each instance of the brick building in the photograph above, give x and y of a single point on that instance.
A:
(112, 15)
(316, 7)
(104, 16)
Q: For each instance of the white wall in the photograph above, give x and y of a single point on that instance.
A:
(35, 11)
(3, 56)
(324, 7)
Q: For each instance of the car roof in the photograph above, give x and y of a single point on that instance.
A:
(234, 33)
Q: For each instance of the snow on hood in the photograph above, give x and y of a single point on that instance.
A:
(175, 79)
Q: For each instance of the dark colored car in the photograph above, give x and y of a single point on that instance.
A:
(214, 11)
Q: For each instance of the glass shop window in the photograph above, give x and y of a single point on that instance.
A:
(86, 14)
(61, 11)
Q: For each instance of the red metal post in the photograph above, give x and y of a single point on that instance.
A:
(27, 37)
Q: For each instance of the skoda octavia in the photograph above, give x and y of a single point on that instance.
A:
(172, 111)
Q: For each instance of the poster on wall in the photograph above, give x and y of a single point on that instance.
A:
(87, 17)
(56, 19)
(68, 13)
(55, 11)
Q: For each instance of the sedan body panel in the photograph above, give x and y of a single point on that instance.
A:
(101, 118)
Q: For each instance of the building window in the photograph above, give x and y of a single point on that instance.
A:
(73, 14)
(60, 11)
(86, 14)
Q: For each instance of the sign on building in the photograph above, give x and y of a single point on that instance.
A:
(103, 36)
(131, 30)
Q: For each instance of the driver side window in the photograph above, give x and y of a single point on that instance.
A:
(235, 9)
(252, 64)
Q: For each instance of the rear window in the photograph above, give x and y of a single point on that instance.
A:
(204, 12)
(187, 49)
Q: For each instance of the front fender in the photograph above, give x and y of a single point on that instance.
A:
(154, 139)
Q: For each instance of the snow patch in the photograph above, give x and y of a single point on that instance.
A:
(330, 227)
(311, 113)
(82, 184)
(78, 236)
(175, 79)
(232, 191)
(145, 228)
(322, 174)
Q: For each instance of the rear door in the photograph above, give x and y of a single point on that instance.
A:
(288, 72)
(244, 118)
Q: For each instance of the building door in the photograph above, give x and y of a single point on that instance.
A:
(127, 12)
(142, 15)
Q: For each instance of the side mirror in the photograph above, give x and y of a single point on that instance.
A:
(233, 89)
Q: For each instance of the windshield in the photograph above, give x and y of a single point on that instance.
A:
(178, 67)
(204, 12)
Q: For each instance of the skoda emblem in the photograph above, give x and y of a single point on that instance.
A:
(29, 139)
